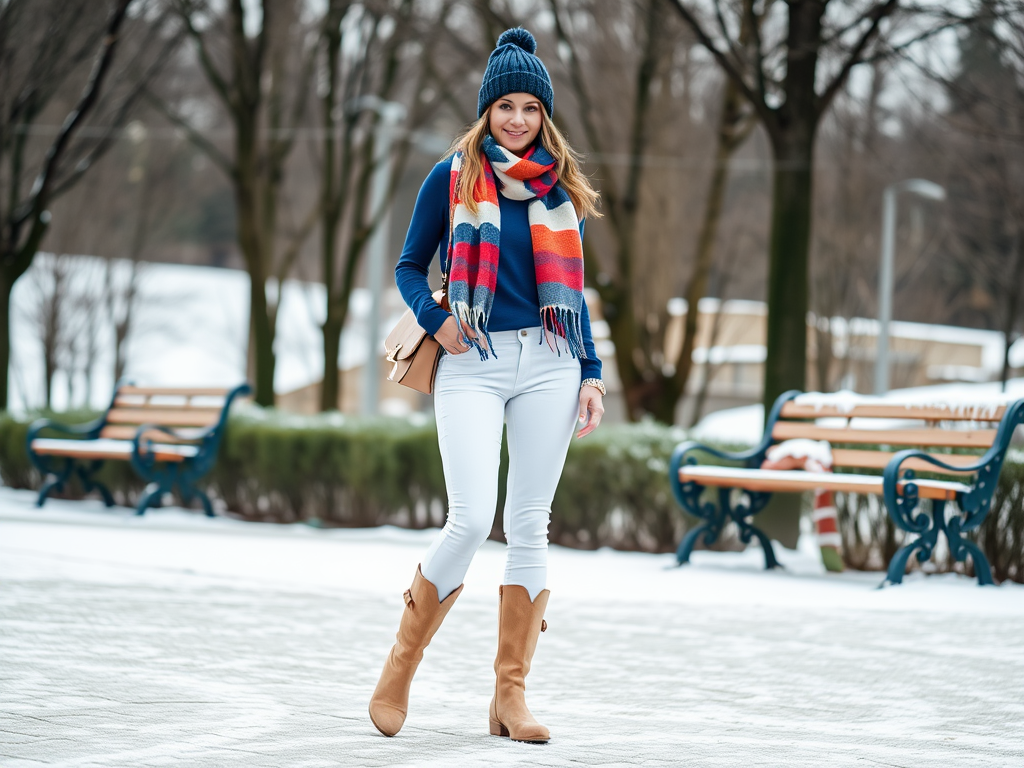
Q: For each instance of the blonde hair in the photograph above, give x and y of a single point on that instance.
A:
(567, 166)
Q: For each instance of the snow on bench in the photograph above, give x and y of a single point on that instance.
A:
(884, 435)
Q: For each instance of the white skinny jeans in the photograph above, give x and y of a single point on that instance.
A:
(535, 391)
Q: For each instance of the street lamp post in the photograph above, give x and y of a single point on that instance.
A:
(924, 188)
(391, 114)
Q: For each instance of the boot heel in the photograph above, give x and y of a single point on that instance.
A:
(497, 729)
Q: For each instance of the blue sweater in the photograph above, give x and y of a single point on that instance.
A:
(516, 304)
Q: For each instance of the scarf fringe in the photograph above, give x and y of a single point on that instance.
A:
(565, 322)
(475, 319)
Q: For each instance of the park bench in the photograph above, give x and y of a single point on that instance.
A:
(169, 435)
(968, 479)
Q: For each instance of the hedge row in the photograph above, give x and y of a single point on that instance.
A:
(333, 470)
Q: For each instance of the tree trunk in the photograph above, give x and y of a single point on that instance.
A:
(622, 329)
(330, 391)
(789, 246)
(1012, 307)
(263, 343)
(330, 209)
(5, 336)
(261, 325)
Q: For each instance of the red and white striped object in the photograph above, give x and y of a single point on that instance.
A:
(813, 456)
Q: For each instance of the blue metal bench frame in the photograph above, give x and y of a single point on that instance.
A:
(160, 476)
(902, 508)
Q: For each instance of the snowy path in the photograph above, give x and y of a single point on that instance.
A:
(175, 640)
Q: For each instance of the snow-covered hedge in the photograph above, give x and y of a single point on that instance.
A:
(338, 471)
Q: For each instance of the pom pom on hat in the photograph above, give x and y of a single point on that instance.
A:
(513, 67)
(519, 37)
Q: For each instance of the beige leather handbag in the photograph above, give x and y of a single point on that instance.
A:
(413, 352)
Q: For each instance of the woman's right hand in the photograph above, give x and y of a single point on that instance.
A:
(448, 337)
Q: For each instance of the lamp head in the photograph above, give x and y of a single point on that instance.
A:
(925, 188)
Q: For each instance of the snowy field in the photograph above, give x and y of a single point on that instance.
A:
(173, 640)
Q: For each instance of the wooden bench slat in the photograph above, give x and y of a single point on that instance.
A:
(144, 403)
(128, 433)
(789, 481)
(851, 457)
(179, 391)
(192, 417)
(975, 438)
(108, 449)
(792, 410)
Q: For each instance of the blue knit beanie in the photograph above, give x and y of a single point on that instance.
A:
(512, 67)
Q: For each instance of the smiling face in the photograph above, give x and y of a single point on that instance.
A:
(515, 121)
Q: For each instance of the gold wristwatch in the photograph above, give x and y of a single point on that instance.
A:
(596, 384)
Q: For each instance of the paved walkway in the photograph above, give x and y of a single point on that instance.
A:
(110, 662)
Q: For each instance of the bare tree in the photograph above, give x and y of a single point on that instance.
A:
(735, 123)
(61, 308)
(987, 175)
(44, 46)
(50, 284)
(379, 65)
(791, 76)
(633, 86)
(257, 59)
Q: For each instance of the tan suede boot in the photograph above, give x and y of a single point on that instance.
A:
(420, 620)
(520, 623)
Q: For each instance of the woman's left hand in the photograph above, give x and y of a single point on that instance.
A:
(591, 410)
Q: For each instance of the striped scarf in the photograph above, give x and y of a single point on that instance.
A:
(475, 244)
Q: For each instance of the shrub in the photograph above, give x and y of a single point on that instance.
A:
(334, 470)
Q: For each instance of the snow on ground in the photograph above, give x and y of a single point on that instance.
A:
(177, 640)
(189, 328)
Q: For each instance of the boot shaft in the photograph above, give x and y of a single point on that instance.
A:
(520, 623)
(422, 617)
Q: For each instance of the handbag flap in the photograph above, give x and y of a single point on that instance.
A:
(407, 335)
(405, 338)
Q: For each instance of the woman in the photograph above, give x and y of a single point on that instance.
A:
(507, 205)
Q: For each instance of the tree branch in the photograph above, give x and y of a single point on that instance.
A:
(753, 27)
(219, 159)
(218, 82)
(876, 14)
(609, 191)
(724, 28)
(728, 66)
(61, 185)
(39, 196)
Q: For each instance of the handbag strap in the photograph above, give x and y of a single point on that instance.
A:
(445, 265)
(451, 234)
